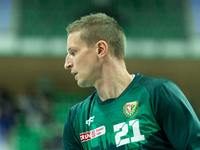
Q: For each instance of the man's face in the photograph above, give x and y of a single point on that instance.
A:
(82, 60)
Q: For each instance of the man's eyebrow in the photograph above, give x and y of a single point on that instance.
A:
(72, 48)
(68, 49)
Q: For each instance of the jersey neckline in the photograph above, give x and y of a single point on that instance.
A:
(108, 101)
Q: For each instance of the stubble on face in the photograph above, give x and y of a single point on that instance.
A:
(89, 71)
(85, 61)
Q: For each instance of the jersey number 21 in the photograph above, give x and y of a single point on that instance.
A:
(123, 130)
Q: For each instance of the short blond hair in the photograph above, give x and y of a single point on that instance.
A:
(95, 27)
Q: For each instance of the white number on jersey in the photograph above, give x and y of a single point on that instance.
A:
(124, 130)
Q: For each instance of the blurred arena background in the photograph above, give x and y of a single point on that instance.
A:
(163, 40)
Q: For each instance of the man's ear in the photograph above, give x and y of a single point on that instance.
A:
(102, 48)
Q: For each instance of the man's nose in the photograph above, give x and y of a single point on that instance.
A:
(68, 63)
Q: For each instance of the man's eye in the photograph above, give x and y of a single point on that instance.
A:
(73, 53)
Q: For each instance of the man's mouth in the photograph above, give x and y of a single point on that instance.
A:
(75, 74)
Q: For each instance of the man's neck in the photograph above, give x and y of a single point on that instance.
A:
(113, 82)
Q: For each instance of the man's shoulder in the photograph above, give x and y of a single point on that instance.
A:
(152, 82)
(154, 85)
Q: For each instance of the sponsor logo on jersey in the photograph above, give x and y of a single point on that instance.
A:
(130, 109)
(93, 134)
(89, 120)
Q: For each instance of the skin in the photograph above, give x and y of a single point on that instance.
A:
(96, 66)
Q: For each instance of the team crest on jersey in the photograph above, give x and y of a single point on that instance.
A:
(130, 109)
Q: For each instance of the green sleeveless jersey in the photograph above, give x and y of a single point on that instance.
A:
(151, 113)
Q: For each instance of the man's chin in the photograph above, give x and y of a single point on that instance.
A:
(83, 85)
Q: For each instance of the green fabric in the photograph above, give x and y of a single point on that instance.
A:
(144, 116)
